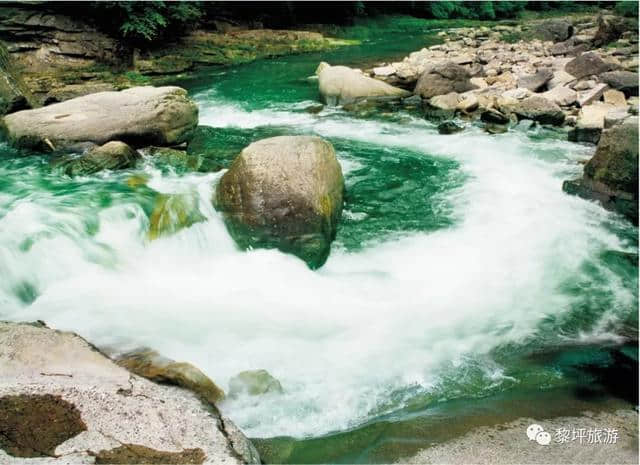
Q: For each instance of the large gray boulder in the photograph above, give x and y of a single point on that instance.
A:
(443, 78)
(536, 108)
(63, 402)
(611, 176)
(339, 85)
(284, 192)
(139, 116)
(587, 64)
(625, 81)
(555, 30)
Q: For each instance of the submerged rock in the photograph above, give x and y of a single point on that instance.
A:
(611, 176)
(449, 127)
(179, 160)
(110, 156)
(254, 383)
(62, 399)
(172, 213)
(139, 116)
(339, 85)
(151, 365)
(284, 192)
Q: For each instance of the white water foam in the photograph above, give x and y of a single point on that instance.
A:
(342, 339)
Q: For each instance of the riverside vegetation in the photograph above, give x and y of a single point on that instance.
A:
(375, 245)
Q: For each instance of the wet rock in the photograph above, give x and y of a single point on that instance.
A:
(151, 365)
(555, 30)
(611, 176)
(587, 64)
(536, 108)
(493, 128)
(535, 82)
(590, 123)
(624, 81)
(314, 109)
(449, 127)
(339, 85)
(284, 192)
(443, 78)
(254, 383)
(468, 103)
(78, 405)
(173, 212)
(140, 116)
(113, 155)
(493, 116)
(34, 425)
(179, 160)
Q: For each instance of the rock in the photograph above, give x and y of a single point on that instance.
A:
(536, 108)
(493, 116)
(624, 81)
(560, 78)
(139, 116)
(615, 116)
(615, 98)
(14, 94)
(445, 102)
(384, 70)
(611, 176)
(254, 383)
(284, 192)
(151, 365)
(590, 123)
(469, 103)
(479, 82)
(179, 160)
(587, 64)
(563, 96)
(314, 109)
(555, 30)
(535, 82)
(173, 212)
(113, 155)
(592, 95)
(62, 400)
(493, 128)
(584, 85)
(339, 85)
(442, 79)
(518, 93)
(611, 28)
(449, 127)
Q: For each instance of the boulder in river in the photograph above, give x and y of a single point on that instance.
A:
(110, 156)
(172, 212)
(254, 383)
(140, 116)
(284, 192)
(611, 176)
(63, 401)
(339, 85)
(443, 78)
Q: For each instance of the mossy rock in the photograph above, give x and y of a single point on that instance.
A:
(137, 454)
(173, 212)
(254, 383)
(179, 160)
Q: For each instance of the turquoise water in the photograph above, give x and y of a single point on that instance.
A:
(461, 273)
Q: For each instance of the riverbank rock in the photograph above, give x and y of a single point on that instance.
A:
(611, 176)
(624, 81)
(590, 123)
(63, 401)
(110, 156)
(442, 79)
(139, 116)
(555, 30)
(14, 94)
(534, 82)
(587, 64)
(536, 108)
(284, 192)
(254, 383)
(339, 85)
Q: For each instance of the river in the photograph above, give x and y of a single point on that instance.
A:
(461, 273)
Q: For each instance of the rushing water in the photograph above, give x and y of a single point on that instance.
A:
(459, 265)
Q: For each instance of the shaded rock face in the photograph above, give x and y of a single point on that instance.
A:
(339, 85)
(449, 127)
(611, 28)
(62, 399)
(110, 156)
(139, 116)
(14, 95)
(284, 192)
(611, 176)
(442, 79)
(625, 81)
(587, 64)
(555, 30)
(254, 383)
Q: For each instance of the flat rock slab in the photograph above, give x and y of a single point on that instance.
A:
(63, 401)
(140, 116)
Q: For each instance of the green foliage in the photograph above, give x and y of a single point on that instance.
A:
(147, 21)
(627, 8)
